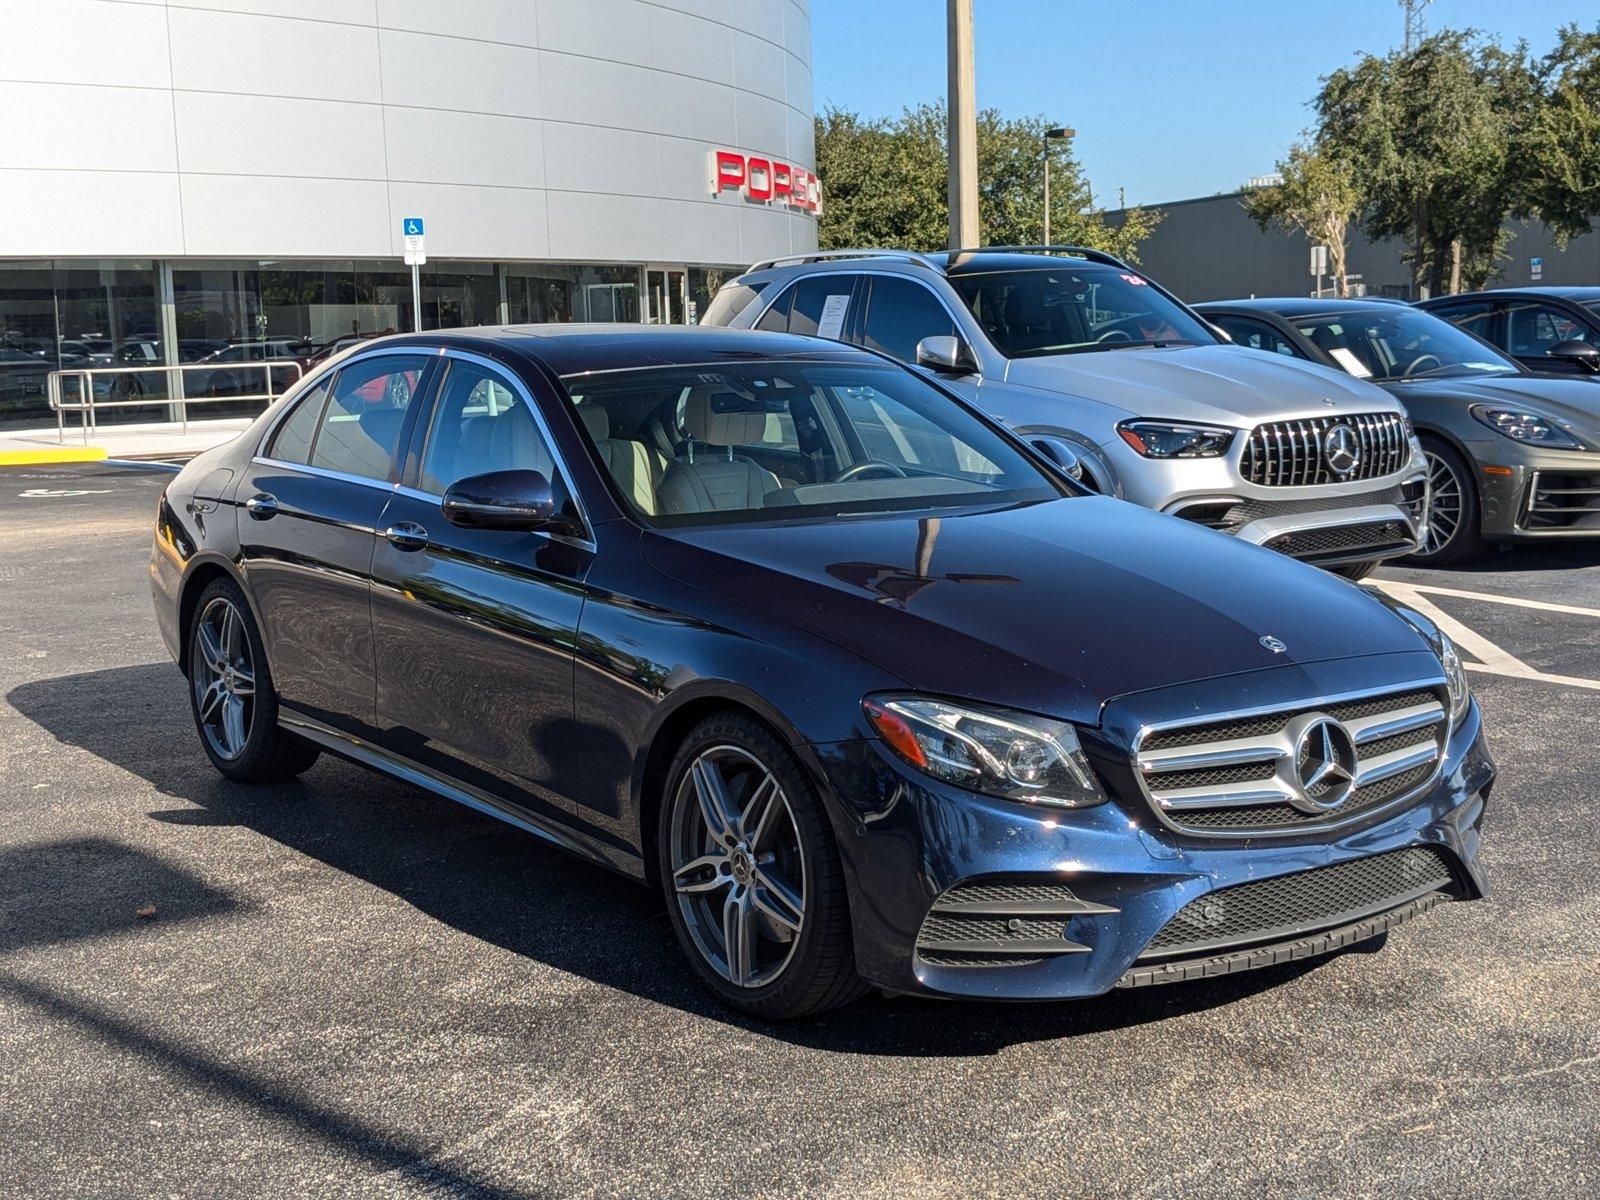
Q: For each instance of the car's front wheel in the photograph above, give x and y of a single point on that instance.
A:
(230, 692)
(1453, 532)
(751, 873)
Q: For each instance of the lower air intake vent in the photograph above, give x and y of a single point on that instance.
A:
(1290, 905)
(999, 923)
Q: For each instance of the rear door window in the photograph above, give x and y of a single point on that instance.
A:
(361, 426)
(820, 306)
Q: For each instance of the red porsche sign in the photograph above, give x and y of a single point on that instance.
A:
(765, 181)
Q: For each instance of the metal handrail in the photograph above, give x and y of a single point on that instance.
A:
(911, 256)
(88, 404)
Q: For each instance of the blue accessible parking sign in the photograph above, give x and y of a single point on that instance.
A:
(412, 227)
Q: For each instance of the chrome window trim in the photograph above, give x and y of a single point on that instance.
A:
(1308, 703)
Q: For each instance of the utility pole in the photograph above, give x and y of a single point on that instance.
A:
(963, 130)
(1060, 134)
(1416, 23)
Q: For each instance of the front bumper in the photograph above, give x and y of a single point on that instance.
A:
(1528, 494)
(1326, 524)
(1120, 877)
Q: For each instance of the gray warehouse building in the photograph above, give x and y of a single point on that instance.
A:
(1210, 249)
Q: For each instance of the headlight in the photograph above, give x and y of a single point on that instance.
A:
(1455, 677)
(996, 751)
(1169, 439)
(1526, 427)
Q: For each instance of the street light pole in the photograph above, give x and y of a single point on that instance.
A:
(1057, 135)
(963, 127)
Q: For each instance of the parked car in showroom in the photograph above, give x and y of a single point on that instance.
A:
(1546, 329)
(868, 690)
(1076, 345)
(1512, 455)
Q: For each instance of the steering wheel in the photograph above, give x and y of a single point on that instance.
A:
(1115, 335)
(860, 469)
(1416, 363)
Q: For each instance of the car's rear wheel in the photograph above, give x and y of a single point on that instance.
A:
(1453, 532)
(230, 692)
(751, 873)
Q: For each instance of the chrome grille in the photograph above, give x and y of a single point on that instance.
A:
(1238, 776)
(1294, 453)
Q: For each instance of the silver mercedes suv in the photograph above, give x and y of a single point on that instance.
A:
(1122, 383)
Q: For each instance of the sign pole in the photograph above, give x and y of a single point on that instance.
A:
(411, 229)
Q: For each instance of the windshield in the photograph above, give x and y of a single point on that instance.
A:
(1394, 342)
(1071, 309)
(691, 446)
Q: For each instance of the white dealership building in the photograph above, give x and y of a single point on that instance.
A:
(181, 179)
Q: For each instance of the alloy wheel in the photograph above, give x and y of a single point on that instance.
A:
(738, 870)
(1446, 498)
(224, 678)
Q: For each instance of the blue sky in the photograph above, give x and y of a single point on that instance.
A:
(1170, 98)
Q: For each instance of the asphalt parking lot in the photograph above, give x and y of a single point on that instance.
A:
(351, 988)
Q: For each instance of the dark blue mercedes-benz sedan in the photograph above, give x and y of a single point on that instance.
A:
(871, 690)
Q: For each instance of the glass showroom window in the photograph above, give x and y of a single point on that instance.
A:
(79, 315)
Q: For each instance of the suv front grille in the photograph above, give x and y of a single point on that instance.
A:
(1240, 775)
(1294, 453)
(1289, 905)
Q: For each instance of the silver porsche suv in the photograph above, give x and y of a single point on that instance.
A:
(1124, 385)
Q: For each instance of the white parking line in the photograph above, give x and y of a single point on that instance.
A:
(1491, 658)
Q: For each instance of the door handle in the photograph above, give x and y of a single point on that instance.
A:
(262, 506)
(407, 535)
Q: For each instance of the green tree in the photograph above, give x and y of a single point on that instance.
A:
(1318, 197)
(1564, 142)
(1436, 140)
(884, 184)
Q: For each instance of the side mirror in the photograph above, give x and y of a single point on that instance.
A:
(946, 354)
(505, 500)
(1579, 353)
(1061, 456)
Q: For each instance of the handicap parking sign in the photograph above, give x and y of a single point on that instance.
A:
(412, 227)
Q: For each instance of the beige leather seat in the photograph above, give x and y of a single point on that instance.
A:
(637, 468)
(712, 478)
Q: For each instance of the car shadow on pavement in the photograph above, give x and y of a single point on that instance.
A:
(459, 867)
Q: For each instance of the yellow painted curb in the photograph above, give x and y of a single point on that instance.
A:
(49, 456)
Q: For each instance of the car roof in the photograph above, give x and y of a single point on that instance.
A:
(949, 263)
(1298, 306)
(1571, 292)
(571, 349)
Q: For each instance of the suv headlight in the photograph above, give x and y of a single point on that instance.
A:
(1173, 439)
(1526, 427)
(996, 751)
(1455, 678)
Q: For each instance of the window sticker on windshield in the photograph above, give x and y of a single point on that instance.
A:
(1350, 362)
(833, 310)
(1133, 279)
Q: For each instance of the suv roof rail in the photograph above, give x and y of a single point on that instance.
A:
(1088, 252)
(910, 256)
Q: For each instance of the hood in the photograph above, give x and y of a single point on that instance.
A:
(1053, 607)
(1221, 385)
(1574, 403)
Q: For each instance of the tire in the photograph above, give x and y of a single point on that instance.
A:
(238, 728)
(1454, 532)
(757, 882)
(1356, 571)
